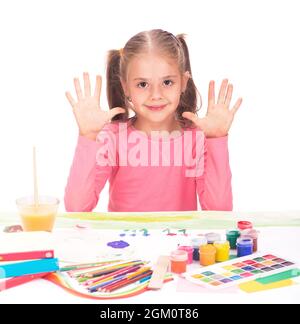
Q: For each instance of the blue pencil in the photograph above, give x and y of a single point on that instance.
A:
(145, 279)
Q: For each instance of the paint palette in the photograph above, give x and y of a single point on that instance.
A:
(234, 272)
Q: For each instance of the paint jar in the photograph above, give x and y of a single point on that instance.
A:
(196, 243)
(189, 250)
(244, 246)
(242, 225)
(253, 234)
(232, 236)
(222, 253)
(212, 237)
(178, 260)
(207, 254)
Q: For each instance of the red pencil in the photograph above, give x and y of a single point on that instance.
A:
(29, 255)
(16, 281)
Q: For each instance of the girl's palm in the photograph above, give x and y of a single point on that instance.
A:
(89, 116)
(219, 117)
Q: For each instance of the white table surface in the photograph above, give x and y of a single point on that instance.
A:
(283, 241)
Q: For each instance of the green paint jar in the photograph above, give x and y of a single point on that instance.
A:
(232, 236)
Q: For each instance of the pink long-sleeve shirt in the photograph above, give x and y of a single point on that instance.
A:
(149, 173)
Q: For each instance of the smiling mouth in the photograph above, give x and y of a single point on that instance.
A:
(156, 108)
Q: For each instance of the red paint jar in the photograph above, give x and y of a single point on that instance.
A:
(242, 225)
(178, 260)
(189, 250)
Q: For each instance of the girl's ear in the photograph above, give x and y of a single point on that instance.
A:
(185, 79)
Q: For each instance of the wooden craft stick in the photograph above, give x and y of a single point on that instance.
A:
(159, 272)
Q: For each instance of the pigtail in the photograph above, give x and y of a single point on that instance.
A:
(188, 99)
(114, 89)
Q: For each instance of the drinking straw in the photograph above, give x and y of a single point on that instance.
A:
(36, 197)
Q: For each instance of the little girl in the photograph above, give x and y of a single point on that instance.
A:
(163, 156)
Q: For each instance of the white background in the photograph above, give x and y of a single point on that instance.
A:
(44, 44)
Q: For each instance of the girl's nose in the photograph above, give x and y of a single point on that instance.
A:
(156, 93)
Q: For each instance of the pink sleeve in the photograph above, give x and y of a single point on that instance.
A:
(214, 186)
(86, 178)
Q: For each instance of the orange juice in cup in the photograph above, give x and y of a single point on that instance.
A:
(38, 216)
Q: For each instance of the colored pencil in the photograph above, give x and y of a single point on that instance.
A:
(111, 269)
(136, 276)
(123, 271)
(126, 282)
(105, 284)
(142, 270)
(83, 270)
(145, 279)
(86, 265)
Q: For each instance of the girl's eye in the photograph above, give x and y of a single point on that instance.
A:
(168, 82)
(142, 84)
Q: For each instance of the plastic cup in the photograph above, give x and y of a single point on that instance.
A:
(207, 254)
(253, 234)
(222, 253)
(178, 260)
(189, 250)
(232, 236)
(40, 217)
(244, 246)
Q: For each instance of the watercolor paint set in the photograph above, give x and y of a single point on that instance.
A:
(236, 271)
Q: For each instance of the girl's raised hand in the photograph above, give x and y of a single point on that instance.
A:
(88, 114)
(219, 117)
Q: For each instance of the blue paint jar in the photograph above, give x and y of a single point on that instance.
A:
(244, 246)
(196, 242)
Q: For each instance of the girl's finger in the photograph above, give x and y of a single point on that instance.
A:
(228, 94)
(191, 116)
(115, 111)
(78, 88)
(98, 87)
(87, 85)
(221, 97)
(70, 98)
(236, 106)
(194, 118)
(211, 94)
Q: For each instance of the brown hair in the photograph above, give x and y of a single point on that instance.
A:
(164, 42)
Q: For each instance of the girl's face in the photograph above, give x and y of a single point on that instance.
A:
(154, 85)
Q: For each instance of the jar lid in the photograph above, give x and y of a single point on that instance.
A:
(179, 255)
(197, 241)
(186, 248)
(244, 225)
(250, 232)
(212, 237)
(222, 244)
(233, 233)
(245, 241)
(208, 248)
